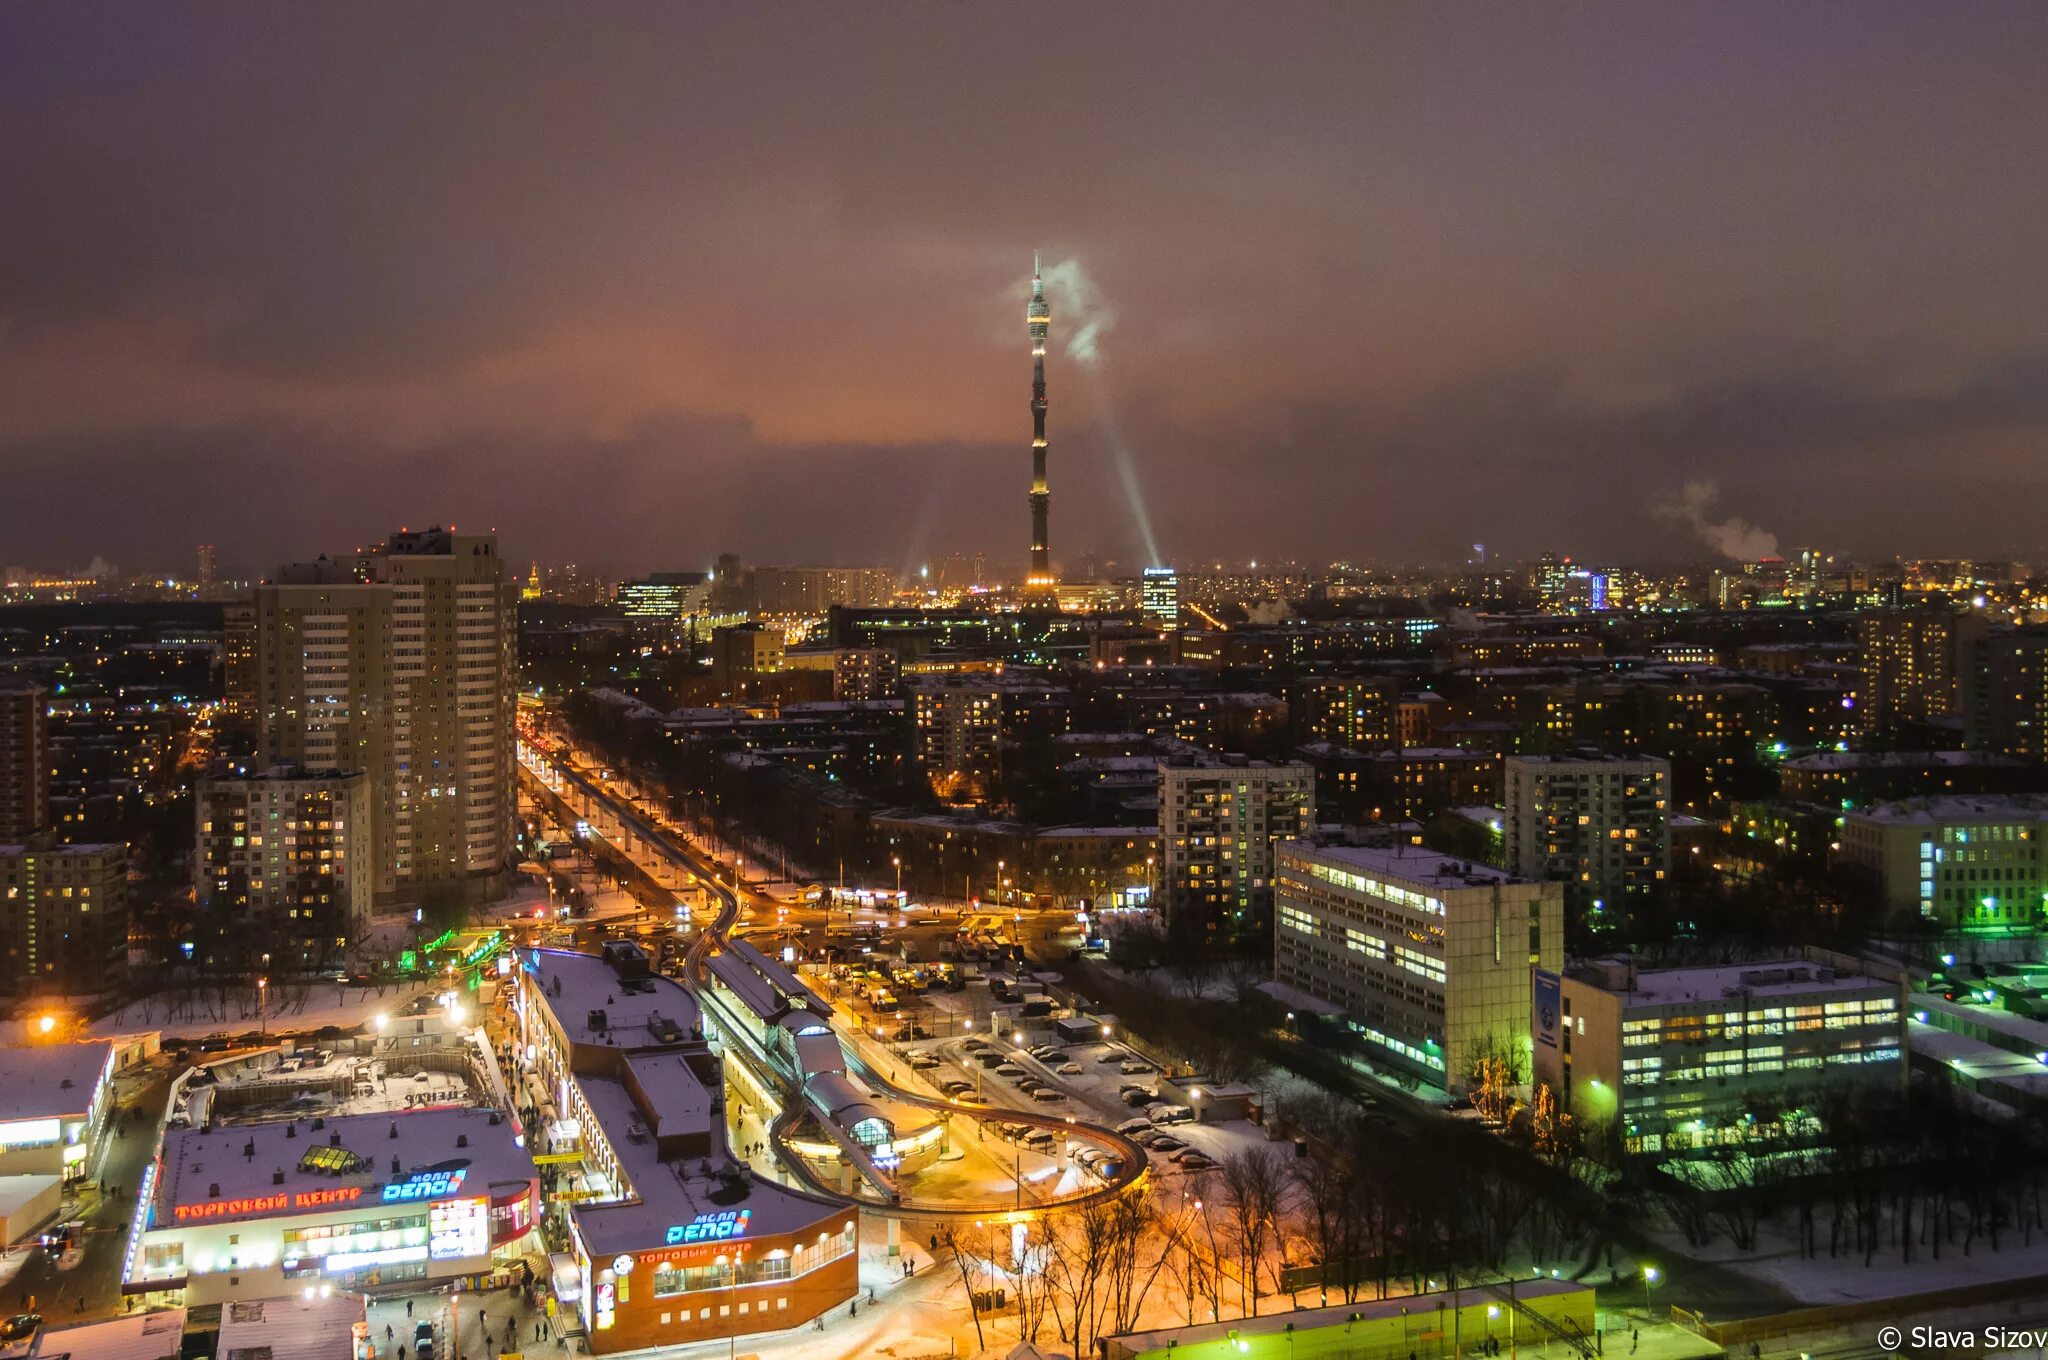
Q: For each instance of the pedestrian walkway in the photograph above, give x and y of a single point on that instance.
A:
(468, 1326)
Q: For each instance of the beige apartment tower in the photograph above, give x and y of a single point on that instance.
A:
(400, 663)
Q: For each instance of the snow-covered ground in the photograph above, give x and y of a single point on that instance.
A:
(196, 1015)
(1845, 1279)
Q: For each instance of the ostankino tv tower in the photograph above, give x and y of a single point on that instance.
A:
(1038, 320)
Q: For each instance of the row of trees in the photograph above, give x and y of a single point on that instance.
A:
(1913, 1173)
(1375, 1212)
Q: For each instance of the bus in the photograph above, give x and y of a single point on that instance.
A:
(861, 932)
(1003, 987)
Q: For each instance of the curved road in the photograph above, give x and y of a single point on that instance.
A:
(1134, 1163)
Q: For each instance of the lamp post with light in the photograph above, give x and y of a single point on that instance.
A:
(1649, 1278)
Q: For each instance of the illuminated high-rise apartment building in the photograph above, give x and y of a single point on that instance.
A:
(399, 662)
(24, 760)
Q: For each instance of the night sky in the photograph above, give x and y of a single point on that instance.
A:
(639, 284)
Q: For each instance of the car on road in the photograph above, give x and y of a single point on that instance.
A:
(423, 1330)
(20, 1326)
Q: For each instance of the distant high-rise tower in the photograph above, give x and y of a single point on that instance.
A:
(206, 566)
(1038, 320)
(24, 760)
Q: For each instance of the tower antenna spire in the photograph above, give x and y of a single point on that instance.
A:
(1038, 323)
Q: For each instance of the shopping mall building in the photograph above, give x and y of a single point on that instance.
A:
(356, 1201)
(674, 1240)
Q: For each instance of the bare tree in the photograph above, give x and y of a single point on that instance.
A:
(950, 1240)
(1189, 1255)
(1255, 1185)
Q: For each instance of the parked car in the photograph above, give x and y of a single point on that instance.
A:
(1039, 1140)
(20, 1326)
(1192, 1160)
(1046, 1093)
(1164, 1142)
(1068, 1069)
(1137, 1097)
(1043, 1050)
(924, 1062)
(1010, 1070)
(1132, 1067)
(1131, 1127)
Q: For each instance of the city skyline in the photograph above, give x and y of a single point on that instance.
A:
(1312, 271)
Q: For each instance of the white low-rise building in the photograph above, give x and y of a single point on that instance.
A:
(1677, 1059)
(57, 1099)
(1429, 955)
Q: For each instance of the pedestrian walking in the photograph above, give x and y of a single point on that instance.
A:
(408, 1307)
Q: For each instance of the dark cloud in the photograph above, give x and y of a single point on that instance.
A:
(643, 282)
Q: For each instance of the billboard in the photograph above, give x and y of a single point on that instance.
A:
(1546, 1019)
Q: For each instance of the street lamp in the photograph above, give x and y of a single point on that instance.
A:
(1649, 1278)
(897, 860)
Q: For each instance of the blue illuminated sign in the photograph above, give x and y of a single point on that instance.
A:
(711, 1227)
(430, 1184)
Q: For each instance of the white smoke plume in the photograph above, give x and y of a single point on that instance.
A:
(1737, 539)
(1079, 313)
